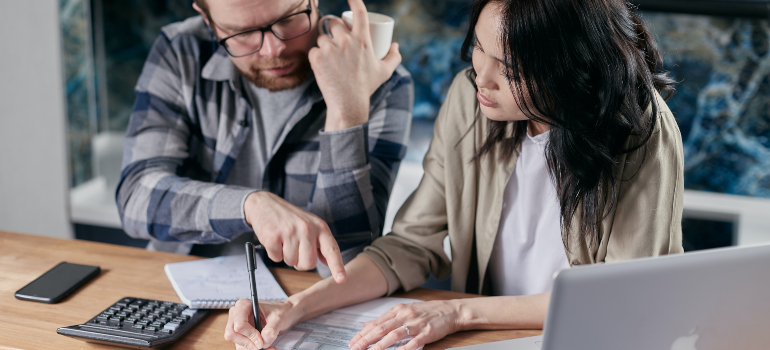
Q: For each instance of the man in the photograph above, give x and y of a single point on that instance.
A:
(248, 122)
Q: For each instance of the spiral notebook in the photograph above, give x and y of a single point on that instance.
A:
(219, 282)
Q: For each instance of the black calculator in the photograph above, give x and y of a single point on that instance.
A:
(138, 323)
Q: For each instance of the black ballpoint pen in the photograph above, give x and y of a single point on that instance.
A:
(252, 266)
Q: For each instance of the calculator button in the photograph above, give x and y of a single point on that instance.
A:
(124, 302)
(171, 326)
(179, 320)
(189, 312)
(138, 326)
(150, 329)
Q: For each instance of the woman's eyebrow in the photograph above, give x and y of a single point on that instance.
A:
(479, 44)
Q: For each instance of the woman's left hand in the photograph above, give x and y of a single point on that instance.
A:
(427, 322)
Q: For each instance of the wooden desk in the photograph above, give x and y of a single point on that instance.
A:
(137, 273)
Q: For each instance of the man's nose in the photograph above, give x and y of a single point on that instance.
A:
(272, 46)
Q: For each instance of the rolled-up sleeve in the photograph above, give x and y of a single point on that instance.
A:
(414, 248)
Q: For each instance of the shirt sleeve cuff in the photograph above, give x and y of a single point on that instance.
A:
(226, 214)
(344, 149)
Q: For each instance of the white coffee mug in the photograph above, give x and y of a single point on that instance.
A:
(380, 28)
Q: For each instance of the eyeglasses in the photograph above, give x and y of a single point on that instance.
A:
(285, 28)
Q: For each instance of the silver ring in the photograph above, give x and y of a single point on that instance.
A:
(407, 329)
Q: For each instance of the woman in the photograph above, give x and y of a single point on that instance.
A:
(555, 150)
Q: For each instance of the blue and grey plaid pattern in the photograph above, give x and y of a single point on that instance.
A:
(190, 121)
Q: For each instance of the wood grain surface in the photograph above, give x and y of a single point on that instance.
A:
(139, 273)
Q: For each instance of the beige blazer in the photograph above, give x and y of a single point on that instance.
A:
(463, 199)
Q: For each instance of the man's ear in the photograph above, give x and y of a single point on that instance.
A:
(202, 13)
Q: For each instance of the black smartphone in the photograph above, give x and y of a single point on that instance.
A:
(57, 283)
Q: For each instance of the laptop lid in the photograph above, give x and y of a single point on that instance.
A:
(712, 299)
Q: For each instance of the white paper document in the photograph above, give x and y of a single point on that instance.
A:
(219, 282)
(334, 330)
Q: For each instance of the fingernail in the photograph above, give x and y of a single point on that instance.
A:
(340, 276)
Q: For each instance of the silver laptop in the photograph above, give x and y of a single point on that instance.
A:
(711, 299)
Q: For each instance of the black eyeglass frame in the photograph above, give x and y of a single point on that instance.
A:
(269, 27)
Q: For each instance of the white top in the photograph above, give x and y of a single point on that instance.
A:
(528, 249)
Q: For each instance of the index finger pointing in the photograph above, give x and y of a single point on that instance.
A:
(360, 17)
(331, 252)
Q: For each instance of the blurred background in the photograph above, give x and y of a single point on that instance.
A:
(69, 68)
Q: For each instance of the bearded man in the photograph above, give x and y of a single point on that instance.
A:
(249, 125)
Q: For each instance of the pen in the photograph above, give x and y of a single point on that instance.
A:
(252, 266)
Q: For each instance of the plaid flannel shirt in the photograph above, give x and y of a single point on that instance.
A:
(190, 120)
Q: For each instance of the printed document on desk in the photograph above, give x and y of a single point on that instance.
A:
(333, 330)
(219, 282)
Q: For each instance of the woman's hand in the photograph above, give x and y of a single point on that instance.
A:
(427, 322)
(276, 317)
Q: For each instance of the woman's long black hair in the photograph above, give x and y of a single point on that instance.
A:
(590, 70)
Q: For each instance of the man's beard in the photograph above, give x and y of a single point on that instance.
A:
(277, 83)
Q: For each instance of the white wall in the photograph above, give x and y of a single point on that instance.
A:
(34, 181)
